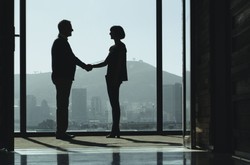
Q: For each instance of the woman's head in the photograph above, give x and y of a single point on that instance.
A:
(117, 32)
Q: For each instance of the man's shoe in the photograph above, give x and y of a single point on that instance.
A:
(113, 136)
(64, 136)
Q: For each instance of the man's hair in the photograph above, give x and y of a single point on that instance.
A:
(63, 24)
(118, 31)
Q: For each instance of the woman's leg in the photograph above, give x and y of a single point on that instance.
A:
(113, 92)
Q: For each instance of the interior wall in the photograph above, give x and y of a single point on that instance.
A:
(240, 75)
(201, 53)
(211, 56)
(221, 37)
(7, 74)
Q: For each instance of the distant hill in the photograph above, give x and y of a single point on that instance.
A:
(141, 86)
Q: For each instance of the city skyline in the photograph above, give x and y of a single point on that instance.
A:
(83, 113)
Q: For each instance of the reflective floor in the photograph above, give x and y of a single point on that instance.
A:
(99, 150)
(116, 156)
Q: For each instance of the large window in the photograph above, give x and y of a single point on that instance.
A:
(172, 64)
(89, 109)
(89, 105)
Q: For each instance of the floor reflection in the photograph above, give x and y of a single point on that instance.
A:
(116, 159)
(63, 159)
(117, 156)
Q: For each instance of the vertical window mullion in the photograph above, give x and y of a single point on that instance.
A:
(184, 68)
(159, 65)
(23, 67)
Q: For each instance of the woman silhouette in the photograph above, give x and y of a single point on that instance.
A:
(116, 74)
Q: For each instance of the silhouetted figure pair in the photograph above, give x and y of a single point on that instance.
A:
(63, 70)
(64, 64)
(116, 63)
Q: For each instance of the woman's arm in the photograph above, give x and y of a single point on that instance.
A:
(101, 64)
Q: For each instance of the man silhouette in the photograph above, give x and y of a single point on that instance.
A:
(63, 71)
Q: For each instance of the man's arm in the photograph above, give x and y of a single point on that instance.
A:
(82, 64)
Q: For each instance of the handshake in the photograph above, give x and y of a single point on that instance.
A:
(88, 67)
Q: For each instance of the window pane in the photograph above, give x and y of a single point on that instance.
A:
(17, 72)
(16, 87)
(187, 131)
(188, 67)
(172, 64)
(89, 104)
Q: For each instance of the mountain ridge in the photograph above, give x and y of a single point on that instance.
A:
(140, 87)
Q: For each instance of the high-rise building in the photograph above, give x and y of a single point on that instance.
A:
(79, 105)
(36, 114)
(178, 102)
(96, 104)
(96, 108)
(32, 115)
(172, 103)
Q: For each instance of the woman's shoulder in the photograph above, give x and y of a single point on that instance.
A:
(112, 48)
(118, 47)
(121, 46)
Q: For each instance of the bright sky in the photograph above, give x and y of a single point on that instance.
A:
(91, 21)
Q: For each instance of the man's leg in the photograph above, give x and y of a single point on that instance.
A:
(62, 97)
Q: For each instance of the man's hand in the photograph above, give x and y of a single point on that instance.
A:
(88, 67)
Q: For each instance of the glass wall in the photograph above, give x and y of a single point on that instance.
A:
(89, 105)
(172, 64)
(17, 67)
(187, 131)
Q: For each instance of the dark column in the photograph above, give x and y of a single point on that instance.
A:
(159, 65)
(7, 74)
(220, 74)
(23, 107)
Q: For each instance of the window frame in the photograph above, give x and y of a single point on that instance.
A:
(159, 82)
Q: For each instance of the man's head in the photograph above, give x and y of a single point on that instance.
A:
(65, 28)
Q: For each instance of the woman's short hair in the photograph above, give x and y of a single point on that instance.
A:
(118, 31)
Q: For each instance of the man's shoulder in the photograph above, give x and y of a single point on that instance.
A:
(59, 41)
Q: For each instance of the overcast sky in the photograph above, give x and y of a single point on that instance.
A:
(91, 21)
